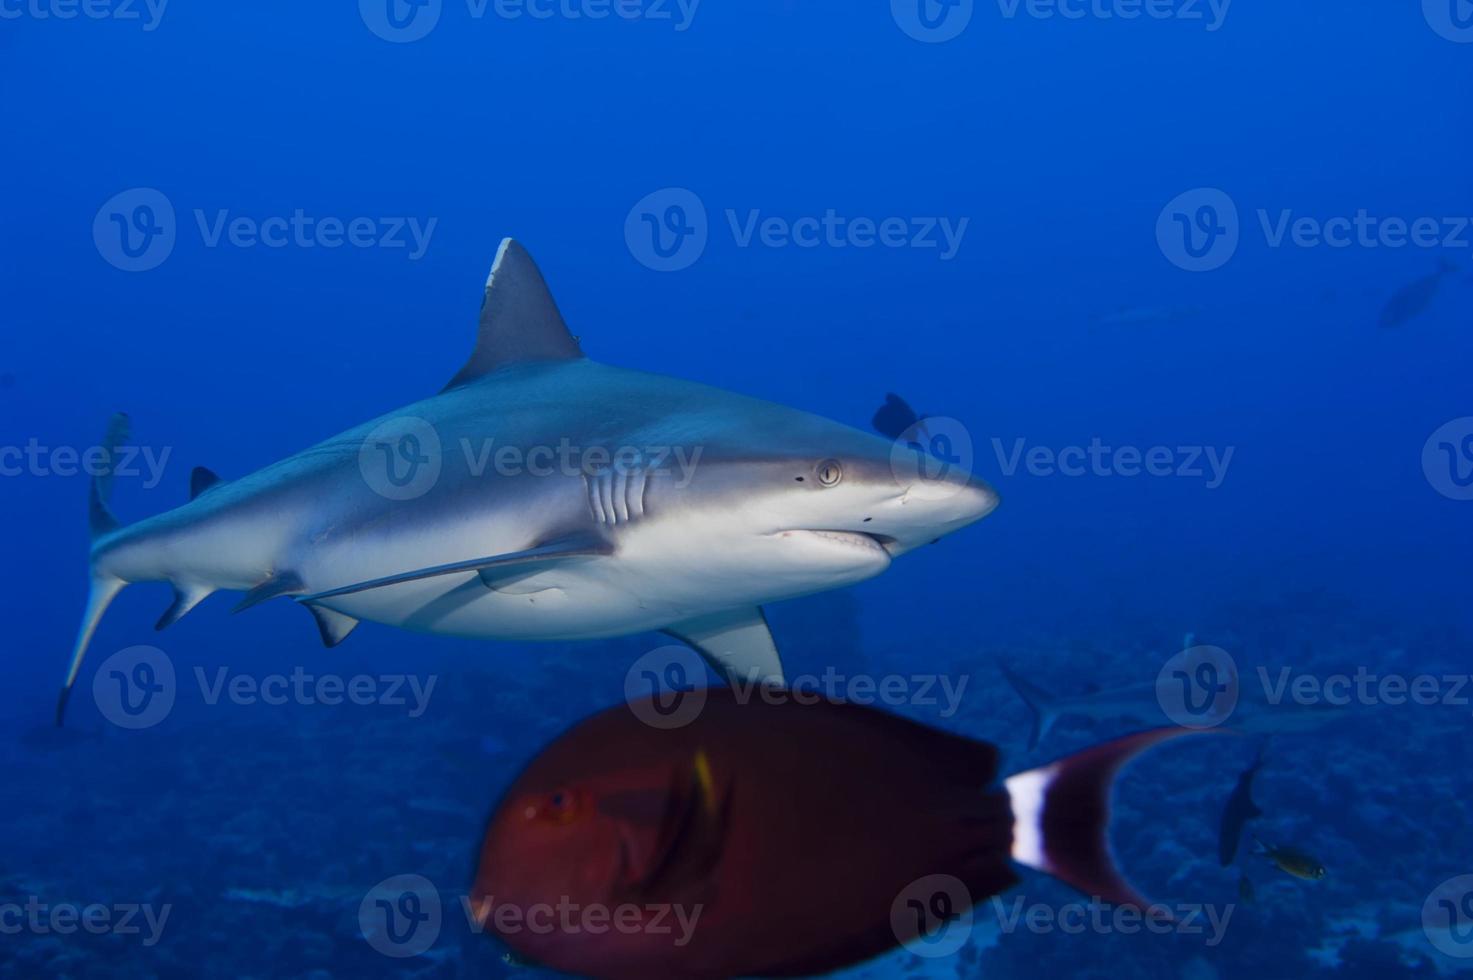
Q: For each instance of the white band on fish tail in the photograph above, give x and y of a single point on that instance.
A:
(1026, 793)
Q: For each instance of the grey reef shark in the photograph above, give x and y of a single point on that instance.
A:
(413, 520)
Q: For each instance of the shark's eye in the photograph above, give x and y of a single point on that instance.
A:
(830, 473)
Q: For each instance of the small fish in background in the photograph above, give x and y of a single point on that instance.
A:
(1413, 299)
(1295, 863)
(1239, 810)
(895, 418)
(782, 834)
(1145, 315)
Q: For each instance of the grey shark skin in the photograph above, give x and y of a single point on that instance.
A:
(773, 503)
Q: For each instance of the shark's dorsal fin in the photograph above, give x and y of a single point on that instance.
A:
(519, 320)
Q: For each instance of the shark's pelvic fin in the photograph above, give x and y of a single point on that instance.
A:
(333, 625)
(573, 546)
(737, 644)
(519, 320)
(1040, 704)
(200, 480)
(186, 597)
(280, 584)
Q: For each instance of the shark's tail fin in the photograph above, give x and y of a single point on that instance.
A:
(1039, 701)
(1061, 816)
(104, 587)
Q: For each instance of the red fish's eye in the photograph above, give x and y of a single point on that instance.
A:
(558, 806)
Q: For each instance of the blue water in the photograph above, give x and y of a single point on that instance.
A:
(1330, 536)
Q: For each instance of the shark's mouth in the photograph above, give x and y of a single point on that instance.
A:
(856, 539)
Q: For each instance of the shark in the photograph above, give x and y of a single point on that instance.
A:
(1141, 704)
(534, 498)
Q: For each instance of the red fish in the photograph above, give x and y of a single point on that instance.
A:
(773, 838)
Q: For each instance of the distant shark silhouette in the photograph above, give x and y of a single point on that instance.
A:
(779, 503)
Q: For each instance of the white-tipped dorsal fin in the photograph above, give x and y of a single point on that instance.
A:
(519, 320)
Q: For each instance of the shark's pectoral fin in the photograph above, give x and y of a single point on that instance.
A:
(333, 625)
(519, 320)
(560, 549)
(737, 644)
(280, 584)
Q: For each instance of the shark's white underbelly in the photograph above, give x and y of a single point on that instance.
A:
(653, 581)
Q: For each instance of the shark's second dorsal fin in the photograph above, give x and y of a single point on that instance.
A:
(200, 480)
(519, 320)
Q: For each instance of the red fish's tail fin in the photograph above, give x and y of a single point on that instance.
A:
(1061, 816)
